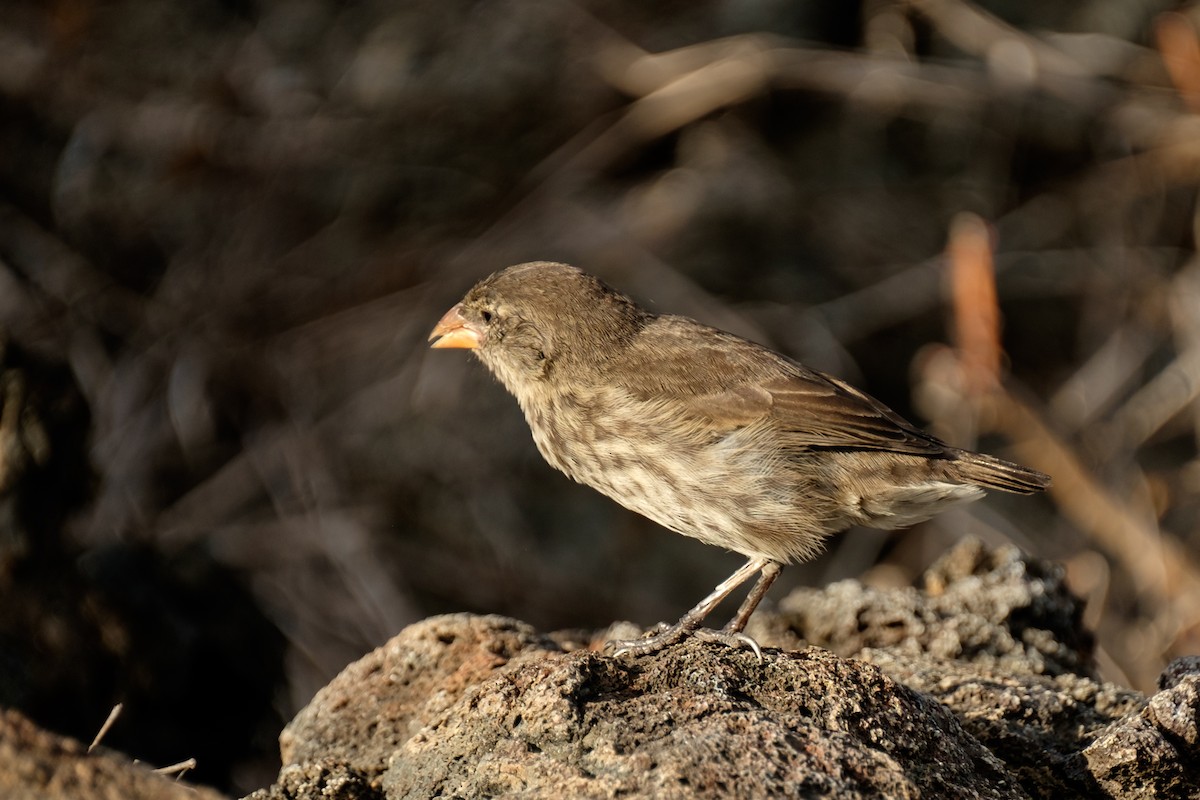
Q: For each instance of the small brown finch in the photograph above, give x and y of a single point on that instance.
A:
(706, 433)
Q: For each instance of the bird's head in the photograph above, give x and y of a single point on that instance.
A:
(535, 320)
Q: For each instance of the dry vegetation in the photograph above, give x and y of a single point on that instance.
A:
(232, 226)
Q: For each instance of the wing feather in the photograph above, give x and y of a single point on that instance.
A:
(743, 383)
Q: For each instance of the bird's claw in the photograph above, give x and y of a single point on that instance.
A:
(734, 639)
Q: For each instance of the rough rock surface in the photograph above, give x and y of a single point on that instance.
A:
(987, 607)
(464, 706)
(36, 765)
(979, 685)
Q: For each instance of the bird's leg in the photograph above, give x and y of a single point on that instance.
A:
(690, 622)
(731, 634)
(770, 572)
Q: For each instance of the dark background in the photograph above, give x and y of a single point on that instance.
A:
(229, 465)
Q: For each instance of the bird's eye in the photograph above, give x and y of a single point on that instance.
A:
(487, 315)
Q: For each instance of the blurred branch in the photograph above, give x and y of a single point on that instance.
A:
(1094, 387)
(982, 34)
(1175, 35)
(976, 307)
(675, 88)
(1184, 311)
(1153, 405)
(69, 283)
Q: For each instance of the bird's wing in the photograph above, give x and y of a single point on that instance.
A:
(817, 410)
(730, 383)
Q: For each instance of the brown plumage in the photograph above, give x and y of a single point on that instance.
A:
(704, 432)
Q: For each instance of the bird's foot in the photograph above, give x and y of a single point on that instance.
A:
(657, 638)
(662, 636)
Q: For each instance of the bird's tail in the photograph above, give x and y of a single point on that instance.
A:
(996, 473)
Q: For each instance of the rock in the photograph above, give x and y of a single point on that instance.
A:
(1154, 752)
(980, 684)
(463, 706)
(384, 699)
(989, 607)
(1036, 724)
(36, 765)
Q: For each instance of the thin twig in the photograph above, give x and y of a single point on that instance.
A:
(108, 723)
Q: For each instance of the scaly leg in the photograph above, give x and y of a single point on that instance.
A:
(770, 572)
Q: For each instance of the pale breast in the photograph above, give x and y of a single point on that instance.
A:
(726, 490)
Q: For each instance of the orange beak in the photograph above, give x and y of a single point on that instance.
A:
(453, 330)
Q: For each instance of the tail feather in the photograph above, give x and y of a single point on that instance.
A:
(996, 473)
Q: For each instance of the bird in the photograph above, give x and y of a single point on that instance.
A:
(706, 433)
